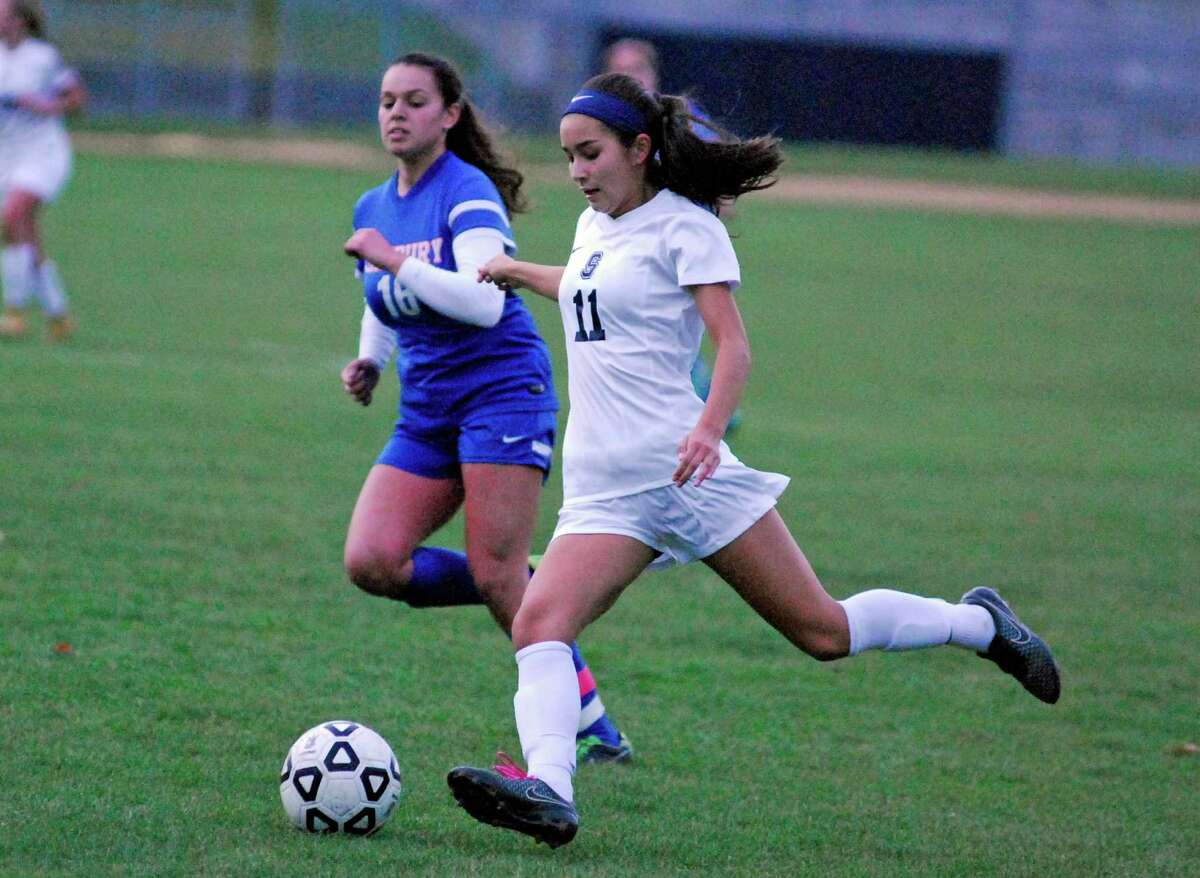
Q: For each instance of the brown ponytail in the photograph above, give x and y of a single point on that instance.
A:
(469, 139)
(704, 171)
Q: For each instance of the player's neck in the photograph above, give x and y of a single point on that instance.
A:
(413, 168)
(639, 197)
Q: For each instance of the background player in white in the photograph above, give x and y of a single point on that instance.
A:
(478, 409)
(646, 476)
(36, 91)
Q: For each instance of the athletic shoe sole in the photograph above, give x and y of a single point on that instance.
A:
(1016, 649)
(497, 801)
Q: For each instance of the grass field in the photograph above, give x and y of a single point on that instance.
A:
(958, 400)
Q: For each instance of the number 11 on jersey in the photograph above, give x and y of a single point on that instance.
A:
(597, 331)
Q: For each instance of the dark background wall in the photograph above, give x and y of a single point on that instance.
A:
(835, 91)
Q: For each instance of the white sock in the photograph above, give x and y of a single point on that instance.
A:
(49, 289)
(547, 709)
(17, 274)
(893, 620)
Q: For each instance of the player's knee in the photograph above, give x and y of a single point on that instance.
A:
(372, 571)
(15, 220)
(536, 622)
(824, 644)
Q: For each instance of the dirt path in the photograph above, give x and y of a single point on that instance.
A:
(864, 191)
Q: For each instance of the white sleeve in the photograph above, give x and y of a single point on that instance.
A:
(701, 251)
(456, 293)
(376, 342)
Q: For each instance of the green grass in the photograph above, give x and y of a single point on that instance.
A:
(959, 400)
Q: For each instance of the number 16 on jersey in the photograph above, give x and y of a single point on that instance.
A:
(596, 333)
(405, 303)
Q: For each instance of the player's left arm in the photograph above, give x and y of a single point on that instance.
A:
(69, 97)
(457, 294)
(700, 450)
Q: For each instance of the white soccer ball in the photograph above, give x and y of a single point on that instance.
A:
(339, 777)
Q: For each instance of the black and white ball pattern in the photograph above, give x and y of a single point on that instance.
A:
(339, 777)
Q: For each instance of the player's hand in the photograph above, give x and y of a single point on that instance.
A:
(359, 378)
(499, 271)
(699, 456)
(370, 245)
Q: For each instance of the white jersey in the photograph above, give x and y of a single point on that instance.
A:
(632, 334)
(34, 67)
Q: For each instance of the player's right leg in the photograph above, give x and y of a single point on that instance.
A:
(578, 579)
(18, 260)
(501, 512)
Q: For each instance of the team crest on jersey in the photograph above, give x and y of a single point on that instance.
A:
(590, 268)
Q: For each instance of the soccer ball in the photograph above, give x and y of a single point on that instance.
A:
(339, 776)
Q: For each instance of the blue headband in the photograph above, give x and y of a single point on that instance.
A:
(609, 109)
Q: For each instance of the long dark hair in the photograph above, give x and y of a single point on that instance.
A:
(705, 171)
(469, 139)
(31, 14)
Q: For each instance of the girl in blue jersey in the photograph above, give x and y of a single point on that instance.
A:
(477, 410)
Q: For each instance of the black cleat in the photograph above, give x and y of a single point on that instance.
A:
(506, 796)
(1016, 649)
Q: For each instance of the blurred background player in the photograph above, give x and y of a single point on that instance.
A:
(477, 414)
(638, 59)
(36, 91)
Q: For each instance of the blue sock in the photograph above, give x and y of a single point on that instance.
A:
(440, 578)
(592, 714)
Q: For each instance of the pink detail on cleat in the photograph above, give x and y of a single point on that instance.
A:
(507, 767)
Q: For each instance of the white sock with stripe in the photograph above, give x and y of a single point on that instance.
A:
(17, 273)
(547, 710)
(892, 620)
(50, 290)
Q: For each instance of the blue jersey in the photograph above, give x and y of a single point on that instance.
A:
(449, 369)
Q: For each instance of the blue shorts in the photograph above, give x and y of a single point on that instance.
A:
(436, 451)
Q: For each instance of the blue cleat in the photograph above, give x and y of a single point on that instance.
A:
(506, 796)
(1016, 649)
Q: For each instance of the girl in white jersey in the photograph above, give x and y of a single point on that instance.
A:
(647, 477)
(36, 91)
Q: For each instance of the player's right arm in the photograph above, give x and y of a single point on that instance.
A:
(509, 273)
(376, 343)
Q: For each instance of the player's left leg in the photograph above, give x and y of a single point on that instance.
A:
(500, 503)
(766, 567)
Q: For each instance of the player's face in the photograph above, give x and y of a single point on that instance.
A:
(413, 119)
(611, 175)
(633, 63)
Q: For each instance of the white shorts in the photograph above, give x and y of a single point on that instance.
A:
(42, 172)
(681, 524)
